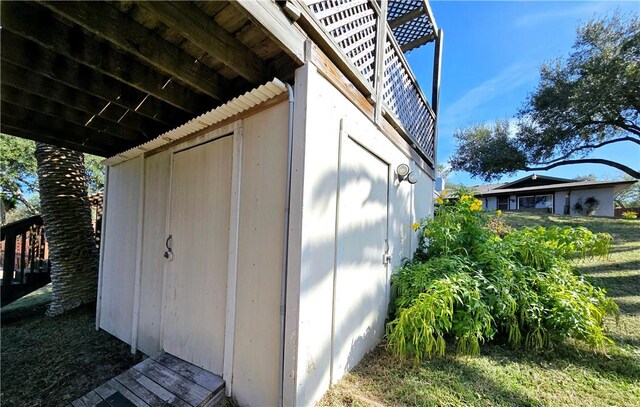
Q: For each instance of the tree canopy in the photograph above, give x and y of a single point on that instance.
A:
(582, 103)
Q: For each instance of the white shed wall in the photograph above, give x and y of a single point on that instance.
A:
(120, 243)
(325, 108)
(256, 335)
(262, 201)
(157, 176)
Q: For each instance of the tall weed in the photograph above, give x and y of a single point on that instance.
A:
(468, 285)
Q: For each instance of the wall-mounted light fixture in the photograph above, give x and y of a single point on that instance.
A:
(404, 174)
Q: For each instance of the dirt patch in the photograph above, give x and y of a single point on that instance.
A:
(52, 361)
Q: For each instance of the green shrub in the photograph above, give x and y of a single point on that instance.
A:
(467, 285)
(629, 215)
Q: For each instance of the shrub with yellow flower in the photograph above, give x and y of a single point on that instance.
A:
(498, 212)
(476, 205)
(415, 226)
(439, 201)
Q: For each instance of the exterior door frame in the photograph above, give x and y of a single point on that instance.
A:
(347, 133)
(234, 130)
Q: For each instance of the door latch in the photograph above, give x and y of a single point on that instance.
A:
(168, 254)
(386, 257)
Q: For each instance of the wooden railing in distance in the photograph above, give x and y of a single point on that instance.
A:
(356, 34)
(24, 250)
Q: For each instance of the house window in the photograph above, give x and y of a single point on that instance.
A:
(503, 203)
(535, 202)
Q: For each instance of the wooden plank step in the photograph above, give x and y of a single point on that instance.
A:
(88, 400)
(148, 390)
(206, 379)
(192, 393)
(113, 386)
(163, 380)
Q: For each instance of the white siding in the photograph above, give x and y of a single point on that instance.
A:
(121, 238)
(325, 108)
(262, 202)
(490, 203)
(559, 201)
(157, 171)
(604, 195)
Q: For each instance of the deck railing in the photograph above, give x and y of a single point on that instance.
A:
(360, 32)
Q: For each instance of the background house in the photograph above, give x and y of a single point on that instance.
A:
(553, 195)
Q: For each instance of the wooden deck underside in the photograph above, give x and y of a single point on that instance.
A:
(158, 381)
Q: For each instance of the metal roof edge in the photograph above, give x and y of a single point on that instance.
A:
(231, 108)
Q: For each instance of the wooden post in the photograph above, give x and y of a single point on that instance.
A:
(23, 249)
(9, 258)
(379, 63)
(435, 96)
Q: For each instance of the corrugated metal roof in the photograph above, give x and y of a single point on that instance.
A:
(236, 105)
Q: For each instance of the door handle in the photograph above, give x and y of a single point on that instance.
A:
(168, 254)
(386, 257)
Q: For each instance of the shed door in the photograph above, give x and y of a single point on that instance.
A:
(195, 296)
(361, 273)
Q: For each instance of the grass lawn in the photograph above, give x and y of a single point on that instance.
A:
(568, 375)
(52, 361)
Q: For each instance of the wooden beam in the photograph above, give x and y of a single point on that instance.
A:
(23, 53)
(205, 33)
(39, 104)
(39, 25)
(107, 22)
(39, 122)
(272, 21)
(435, 95)
(30, 82)
(11, 127)
(405, 18)
(417, 42)
(381, 39)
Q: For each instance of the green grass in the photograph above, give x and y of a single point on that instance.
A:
(52, 361)
(568, 375)
(33, 303)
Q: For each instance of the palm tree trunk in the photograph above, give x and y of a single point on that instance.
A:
(73, 252)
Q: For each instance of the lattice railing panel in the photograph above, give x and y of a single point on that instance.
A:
(401, 96)
(413, 29)
(352, 24)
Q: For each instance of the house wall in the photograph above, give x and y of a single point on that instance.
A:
(309, 358)
(604, 195)
(490, 203)
(559, 200)
(255, 337)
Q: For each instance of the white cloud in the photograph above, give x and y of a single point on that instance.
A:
(532, 19)
(465, 108)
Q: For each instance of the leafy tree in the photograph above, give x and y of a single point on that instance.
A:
(19, 181)
(17, 173)
(630, 197)
(584, 102)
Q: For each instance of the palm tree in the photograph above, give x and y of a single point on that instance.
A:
(67, 220)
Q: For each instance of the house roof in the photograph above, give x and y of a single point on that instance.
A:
(549, 187)
(538, 179)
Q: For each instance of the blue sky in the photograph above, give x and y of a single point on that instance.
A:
(491, 58)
